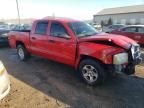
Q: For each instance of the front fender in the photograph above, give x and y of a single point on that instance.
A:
(101, 52)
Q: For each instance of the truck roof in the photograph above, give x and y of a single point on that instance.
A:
(58, 19)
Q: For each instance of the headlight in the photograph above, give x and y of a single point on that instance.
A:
(2, 68)
(120, 58)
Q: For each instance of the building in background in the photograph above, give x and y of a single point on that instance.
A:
(121, 15)
(15, 21)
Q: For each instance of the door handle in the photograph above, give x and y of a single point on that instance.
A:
(51, 41)
(33, 38)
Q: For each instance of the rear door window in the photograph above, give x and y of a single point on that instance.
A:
(41, 28)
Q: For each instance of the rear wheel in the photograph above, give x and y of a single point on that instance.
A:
(22, 52)
(92, 72)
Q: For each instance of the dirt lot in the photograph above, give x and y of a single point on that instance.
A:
(40, 83)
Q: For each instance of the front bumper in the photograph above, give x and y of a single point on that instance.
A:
(129, 69)
(4, 85)
(125, 68)
(134, 59)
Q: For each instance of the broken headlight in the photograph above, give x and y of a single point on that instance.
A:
(120, 58)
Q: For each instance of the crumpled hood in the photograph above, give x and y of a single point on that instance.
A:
(121, 41)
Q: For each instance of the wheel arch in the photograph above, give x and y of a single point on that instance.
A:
(20, 43)
(83, 57)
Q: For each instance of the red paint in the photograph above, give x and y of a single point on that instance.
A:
(69, 51)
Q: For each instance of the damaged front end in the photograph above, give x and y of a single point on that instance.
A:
(121, 57)
(126, 63)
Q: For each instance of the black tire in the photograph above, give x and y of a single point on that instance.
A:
(99, 71)
(130, 70)
(21, 49)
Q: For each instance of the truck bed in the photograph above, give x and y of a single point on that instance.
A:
(19, 35)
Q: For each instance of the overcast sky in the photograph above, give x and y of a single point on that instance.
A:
(78, 9)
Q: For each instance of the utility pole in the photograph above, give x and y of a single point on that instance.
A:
(18, 12)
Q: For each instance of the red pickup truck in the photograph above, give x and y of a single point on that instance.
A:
(78, 44)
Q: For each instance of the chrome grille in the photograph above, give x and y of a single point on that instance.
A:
(135, 50)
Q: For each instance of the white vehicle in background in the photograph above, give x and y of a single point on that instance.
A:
(4, 82)
(21, 27)
(4, 28)
(98, 27)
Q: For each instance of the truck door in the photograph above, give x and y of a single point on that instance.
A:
(63, 46)
(39, 39)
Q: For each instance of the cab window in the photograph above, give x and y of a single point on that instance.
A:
(57, 29)
(41, 28)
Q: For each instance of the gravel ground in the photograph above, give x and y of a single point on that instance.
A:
(40, 83)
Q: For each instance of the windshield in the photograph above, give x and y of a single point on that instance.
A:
(82, 29)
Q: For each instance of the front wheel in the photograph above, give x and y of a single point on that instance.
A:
(92, 72)
(22, 52)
